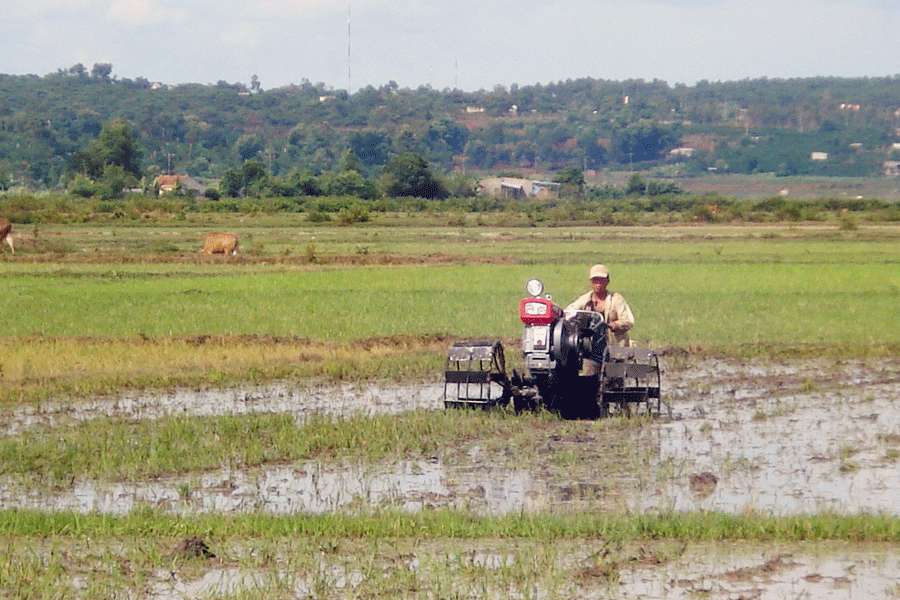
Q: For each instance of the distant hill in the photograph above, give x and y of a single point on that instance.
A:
(812, 126)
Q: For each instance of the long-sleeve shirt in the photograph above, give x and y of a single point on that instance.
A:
(617, 312)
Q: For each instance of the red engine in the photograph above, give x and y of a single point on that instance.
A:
(538, 311)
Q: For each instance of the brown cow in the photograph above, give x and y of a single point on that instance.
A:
(221, 243)
(6, 234)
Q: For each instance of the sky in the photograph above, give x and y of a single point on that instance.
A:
(469, 45)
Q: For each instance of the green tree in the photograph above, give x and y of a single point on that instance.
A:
(408, 174)
(636, 185)
(101, 71)
(570, 176)
(370, 147)
(350, 183)
(82, 186)
(250, 179)
(119, 146)
(249, 146)
(304, 184)
(231, 184)
(350, 162)
(255, 178)
(115, 180)
(85, 164)
(644, 140)
(572, 180)
(445, 134)
(659, 188)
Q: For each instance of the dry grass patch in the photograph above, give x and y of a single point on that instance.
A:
(46, 367)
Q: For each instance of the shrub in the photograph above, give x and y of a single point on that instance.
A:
(353, 214)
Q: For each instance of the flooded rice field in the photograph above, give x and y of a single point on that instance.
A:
(777, 437)
(731, 571)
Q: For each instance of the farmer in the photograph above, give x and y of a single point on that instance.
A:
(612, 305)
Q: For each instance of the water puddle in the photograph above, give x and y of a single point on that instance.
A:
(791, 438)
(347, 399)
(727, 571)
(717, 572)
(786, 439)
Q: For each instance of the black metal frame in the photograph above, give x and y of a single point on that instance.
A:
(475, 364)
(629, 376)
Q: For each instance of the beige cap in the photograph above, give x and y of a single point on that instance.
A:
(599, 271)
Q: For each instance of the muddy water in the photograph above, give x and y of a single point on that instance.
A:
(783, 438)
(343, 400)
(730, 571)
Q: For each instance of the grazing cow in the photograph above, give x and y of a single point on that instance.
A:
(221, 243)
(6, 234)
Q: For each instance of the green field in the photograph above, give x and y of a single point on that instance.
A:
(708, 287)
(126, 310)
(721, 304)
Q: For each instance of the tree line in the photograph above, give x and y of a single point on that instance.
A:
(299, 134)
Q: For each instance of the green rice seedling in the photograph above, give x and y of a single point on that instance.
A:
(455, 525)
(781, 409)
(845, 454)
(184, 490)
(809, 386)
(848, 466)
(46, 368)
(114, 448)
(713, 293)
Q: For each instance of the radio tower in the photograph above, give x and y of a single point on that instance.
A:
(349, 62)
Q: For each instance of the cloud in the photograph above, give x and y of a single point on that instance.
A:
(475, 44)
(137, 13)
(292, 8)
(22, 10)
(244, 36)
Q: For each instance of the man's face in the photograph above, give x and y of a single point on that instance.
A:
(599, 284)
